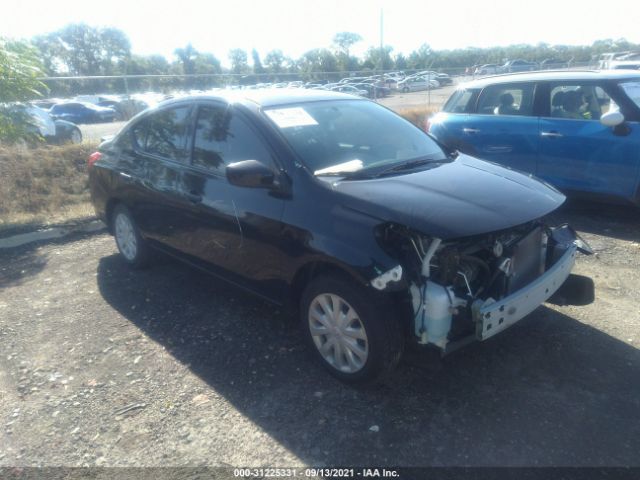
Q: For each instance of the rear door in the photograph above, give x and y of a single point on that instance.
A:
(577, 152)
(160, 155)
(504, 129)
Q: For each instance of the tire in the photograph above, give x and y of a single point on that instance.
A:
(75, 136)
(367, 346)
(405, 90)
(132, 247)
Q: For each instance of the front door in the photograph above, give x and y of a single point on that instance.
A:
(577, 152)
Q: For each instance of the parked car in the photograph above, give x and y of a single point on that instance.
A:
(52, 131)
(486, 69)
(579, 131)
(553, 64)
(373, 91)
(415, 84)
(340, 209)
(350, 89)
(513, 66)
(80, 112)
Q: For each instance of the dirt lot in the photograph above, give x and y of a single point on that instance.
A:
(101, 365)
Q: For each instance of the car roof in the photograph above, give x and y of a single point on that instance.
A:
(266, 98)
(551, 75)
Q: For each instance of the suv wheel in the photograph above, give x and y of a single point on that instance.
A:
(350, 330)
(131, 245)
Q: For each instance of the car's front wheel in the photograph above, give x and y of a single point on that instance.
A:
(75, 136)
(350, 329)
(130, 243)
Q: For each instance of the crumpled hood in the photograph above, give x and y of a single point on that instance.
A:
(451, 200)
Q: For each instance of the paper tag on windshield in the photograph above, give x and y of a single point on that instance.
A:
(291, 117)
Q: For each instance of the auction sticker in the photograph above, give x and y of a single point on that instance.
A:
(291, 117)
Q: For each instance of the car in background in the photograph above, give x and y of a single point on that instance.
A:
(82, 112)
(514, 66)
(125, 108)
(350, 89)
(373, 90)
(52, 131)
(340, 210)
(579, 131)
(553, 64)
(415, 84)
(486, 69)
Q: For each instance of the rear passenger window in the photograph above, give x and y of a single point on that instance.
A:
(507, 99)
(164, 133)
(460, 102)
(221, 138)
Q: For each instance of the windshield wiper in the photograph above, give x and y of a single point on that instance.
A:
(408, 165)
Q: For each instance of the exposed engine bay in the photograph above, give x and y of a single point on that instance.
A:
(478, 286)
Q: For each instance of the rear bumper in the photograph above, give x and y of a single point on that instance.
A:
(492, 317)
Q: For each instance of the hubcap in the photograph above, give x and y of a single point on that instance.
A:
(76, 137)
(338, 333)
(126, 237)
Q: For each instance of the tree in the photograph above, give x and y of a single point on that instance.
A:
(345, 40)
(257, 64)
(274, 61)
(79, 49)
(238, 59)
(20, 68)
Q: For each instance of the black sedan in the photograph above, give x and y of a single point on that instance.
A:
(81, 112)
(339, 209)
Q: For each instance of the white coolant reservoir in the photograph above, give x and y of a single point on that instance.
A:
(433, 310)
(438, 311)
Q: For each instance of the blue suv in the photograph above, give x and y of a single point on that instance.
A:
(579, 131)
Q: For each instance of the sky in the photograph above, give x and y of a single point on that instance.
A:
(296, 26)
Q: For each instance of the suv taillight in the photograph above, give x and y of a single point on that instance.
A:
(427, 124)
(93, 158)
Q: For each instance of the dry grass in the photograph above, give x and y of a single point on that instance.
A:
(43, 185)
(417, 115)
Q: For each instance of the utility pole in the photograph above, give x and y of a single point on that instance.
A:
(375, 85)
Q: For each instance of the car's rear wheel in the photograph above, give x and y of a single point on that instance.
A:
(130, 243)
(350, 329)
(405, 90)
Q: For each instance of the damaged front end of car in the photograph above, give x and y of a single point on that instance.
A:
(473, 288)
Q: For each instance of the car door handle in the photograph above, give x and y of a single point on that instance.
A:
(193, 197)
(551, 134)
(471, 130)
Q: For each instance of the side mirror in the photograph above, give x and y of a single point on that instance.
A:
(612, 119)
(250, 173)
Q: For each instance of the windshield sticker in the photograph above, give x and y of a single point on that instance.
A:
(291, 117)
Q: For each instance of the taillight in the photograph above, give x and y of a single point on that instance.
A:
(427, 124)
(93, 158)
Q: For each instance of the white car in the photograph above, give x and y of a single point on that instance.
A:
(414, 84)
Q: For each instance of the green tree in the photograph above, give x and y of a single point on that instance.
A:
(238, 59)
(257, 64)
(343, 41)
(274, 61)
(20, 67)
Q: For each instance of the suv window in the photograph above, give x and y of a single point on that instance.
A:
(460, 102)
(222, 137)
(163, 133)
(507, 99)
(578, 101)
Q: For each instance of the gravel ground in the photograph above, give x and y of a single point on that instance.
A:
(102, 365)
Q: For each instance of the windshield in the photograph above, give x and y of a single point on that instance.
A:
(345, 136)
(632, 89)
